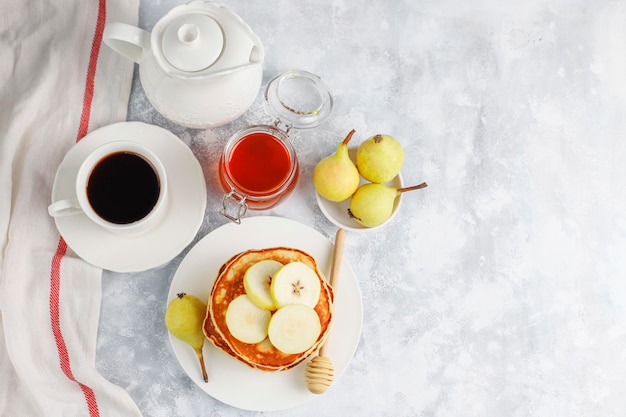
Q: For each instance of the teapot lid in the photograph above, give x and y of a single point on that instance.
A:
(299, 99)
(192, 42)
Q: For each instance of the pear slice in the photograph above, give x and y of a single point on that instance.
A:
(295, 283)
(245, 321)
(257, 280)
(294, 328)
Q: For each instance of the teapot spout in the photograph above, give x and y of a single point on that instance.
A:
(256, 54)
(127, 40)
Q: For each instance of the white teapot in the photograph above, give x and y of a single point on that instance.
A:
(201, 67)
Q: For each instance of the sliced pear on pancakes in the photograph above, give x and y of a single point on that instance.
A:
(228, 285)
(294, 328)
(245, 321)
(257, 280)
(295, 283)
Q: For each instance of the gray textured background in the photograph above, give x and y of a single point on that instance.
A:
(497, 291)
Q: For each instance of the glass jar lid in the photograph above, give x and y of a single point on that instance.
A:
(298, 99)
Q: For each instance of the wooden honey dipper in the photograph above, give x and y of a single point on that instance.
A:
(319, 371)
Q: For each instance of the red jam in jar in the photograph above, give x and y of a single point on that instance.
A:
(259, 167)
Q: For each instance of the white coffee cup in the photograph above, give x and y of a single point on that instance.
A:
(121, 186)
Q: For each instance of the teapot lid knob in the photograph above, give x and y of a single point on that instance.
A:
(192, 42)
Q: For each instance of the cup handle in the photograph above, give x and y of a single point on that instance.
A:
(127, 40)
(64, 208)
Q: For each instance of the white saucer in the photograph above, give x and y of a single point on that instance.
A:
(180, 223)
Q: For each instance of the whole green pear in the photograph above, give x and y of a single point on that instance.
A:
(372, 203)
(335, 177)
(184, 318)
(380, 158)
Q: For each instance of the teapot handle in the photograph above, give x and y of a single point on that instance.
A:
(127, 40)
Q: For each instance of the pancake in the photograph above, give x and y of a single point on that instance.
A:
(229, 285)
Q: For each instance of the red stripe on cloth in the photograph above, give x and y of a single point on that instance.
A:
(55, 302)
(55, 273)
(91, 71)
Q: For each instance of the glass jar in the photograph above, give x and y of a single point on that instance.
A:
(259, 167)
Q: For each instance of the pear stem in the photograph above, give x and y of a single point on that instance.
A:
(201, 358)
(347, 139)
(414, 187)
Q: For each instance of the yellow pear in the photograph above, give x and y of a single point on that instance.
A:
(336, 177)
(372, 203)
(380, 158)
(184, 319)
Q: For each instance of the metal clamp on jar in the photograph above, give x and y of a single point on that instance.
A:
(259, 167)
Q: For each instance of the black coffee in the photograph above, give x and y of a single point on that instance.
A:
(123, 188)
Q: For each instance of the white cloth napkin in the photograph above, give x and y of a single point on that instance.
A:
(57, 83)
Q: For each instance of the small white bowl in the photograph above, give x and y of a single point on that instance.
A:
(337, 213)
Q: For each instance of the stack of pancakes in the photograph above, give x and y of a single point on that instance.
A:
(229, 285)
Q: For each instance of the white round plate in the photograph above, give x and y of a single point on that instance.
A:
(179, 225)
(234, 382)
